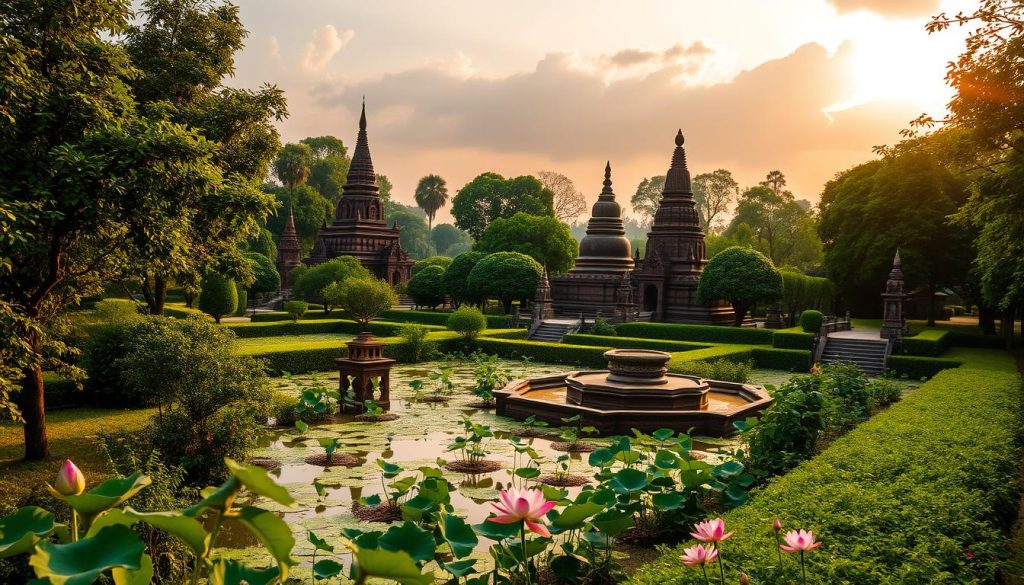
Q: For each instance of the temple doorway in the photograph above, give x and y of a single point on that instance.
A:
(651, 298)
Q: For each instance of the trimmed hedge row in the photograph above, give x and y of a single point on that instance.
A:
(793, 340)
(712, 333)
(735, 353)
(506, 333)
(438, 318)
(318, 356)
(310, 315)
(930, 342)
(183, 312)
(632, 342)
(793, 360)
(315, 326)
(923, 492)
(555, 353)
(918, 366)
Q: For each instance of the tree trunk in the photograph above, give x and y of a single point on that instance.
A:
(740, 312)
(32, 405)
(507, 306)
(1006, 327)
(190, 299)
(155, 294)
(987, 320)
(931, 304)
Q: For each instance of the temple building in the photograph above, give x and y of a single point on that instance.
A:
(360, 228)
(666, 280)
(604, 261)
(289, 254)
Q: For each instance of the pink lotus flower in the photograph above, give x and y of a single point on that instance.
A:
(710, 531)
(699, 554)
(523, 504)
(799, 541)
(70, 481)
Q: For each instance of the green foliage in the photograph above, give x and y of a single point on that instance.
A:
(431, 195)
(218, 297)
(295, 309)
(793, 340)
(310, 282)
(265, 276)
(603, 327)
(329, 169)
(415, 235)
(292, 164)
(316, 326)
(243, 299)
(929, 342)
(631, 342)
(543, 238)
(884, 391)
(916, 367)
(556, 353)
(456, 277)
(917, 510)
(490, 196)
(467, 322)
(445, 237)
(741, 276)
(811, 321)
(364, 298)
(415, 337)
(437, 318)
(769, 219)
(427, 287)
(801, 292)
(791, 360)
(727, 370)
(647, 197)
(787, 431)
(505, 276)
(489, 375)
(701, 333)
(442, 262)
(310, 209)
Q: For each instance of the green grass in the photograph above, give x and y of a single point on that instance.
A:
(254, 345)
(72, 435)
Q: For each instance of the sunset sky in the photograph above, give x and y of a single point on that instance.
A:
(458, 88)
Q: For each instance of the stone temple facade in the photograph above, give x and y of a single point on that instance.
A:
(360, 228)
(662, 286)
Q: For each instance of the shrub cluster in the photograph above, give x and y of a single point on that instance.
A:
(709, 333)
(726, 370)
(468, 322)
(919, 367)
(811, 321)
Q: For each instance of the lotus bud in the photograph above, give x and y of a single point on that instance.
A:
(70, 481)
(776, 525)
(744, 579)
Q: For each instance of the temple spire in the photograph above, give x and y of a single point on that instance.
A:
(677, 181)
(362, 180)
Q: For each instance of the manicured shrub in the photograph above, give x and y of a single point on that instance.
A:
(631, 342)
(217, 296)
(919, 367)
(427, 288)
(811, 321)
(364, 298)
(265, 277)
(309, 283)
(793, 340)
(467, 322)
(182, 312)
(316, 326)
(295, 309)
(601, 326)
(243, 300)
(456, 277)
(556, 353)
(710, 333)
(441, 262)
(541, 237)
(786, 431)
(506, 277)
(889, 502)
(884, 391)
(726, 370)
(790, 360)
(742, 276)
(267, 317)
(929, 342)
(415, 337)
(437, 318)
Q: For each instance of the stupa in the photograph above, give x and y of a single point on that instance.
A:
(288, 253)
(894, 323)
(604, 259)
(360, 228)
(666, 279)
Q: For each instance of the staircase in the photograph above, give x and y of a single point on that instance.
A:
(554, 330)
(405, 302)
(869, 354)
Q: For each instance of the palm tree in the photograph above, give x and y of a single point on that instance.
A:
(431, 195)
(293, 163)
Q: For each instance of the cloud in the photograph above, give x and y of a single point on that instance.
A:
(891, 8)
(325, 44)
(274, 47)
(633, 57)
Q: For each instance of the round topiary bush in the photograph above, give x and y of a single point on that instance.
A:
(441, 261)
(468, 322)
(217, 296)
(505, 276)
(427, 288)
(811, 320)
(742, 276)
(295, 309)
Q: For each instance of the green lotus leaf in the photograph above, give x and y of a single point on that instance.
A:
(188, 529)
(82, 562)
(107, 495)
(141, 576)
(527, 472)
(628, 480)
(394, 565)
(460, 568)
(257, 481)
(273, 532)
(232, 572)
(495, 531)
(663, 434)
(319, 543)
(612, 522)
(20, 531)
(668, 500)
(219, 498)
(460, 535)
(327, 569)
(575, 515)
(412, 539)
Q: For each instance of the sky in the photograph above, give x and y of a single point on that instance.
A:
(458, 88)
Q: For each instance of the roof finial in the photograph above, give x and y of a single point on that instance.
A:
(362, 116)
(607, 178)
(679, 138)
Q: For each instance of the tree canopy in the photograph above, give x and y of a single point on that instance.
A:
(311, 209)
(293, 164)
(414, 236)
(543, 238)
(456, 277)
(781, 227)
(329, 167)
(445, 235)
(490, 196)
(431, 195)
(265, 276)
(741, 276)
(364, 298)
(714, 193)
(569, 202)
(505, 276)
(427, 287)
(309, 282)
(647, 197)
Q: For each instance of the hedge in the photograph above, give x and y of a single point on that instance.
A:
(632, 342)
(793, 360)
(438, 318)
(506, 333)
(923, 492)
(59, 392)
(316, 315)
(930, 342)
(318, 356)
(315, 326)
(736, 353)
(959, 339)
(793, 339)
(712, 333)
(183, 312)
(918, 366)
(554, 353)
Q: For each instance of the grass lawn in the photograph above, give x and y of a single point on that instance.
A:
(252, 345)
(72, 436)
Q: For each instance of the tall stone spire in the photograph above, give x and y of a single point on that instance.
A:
(288, 251)
(894, 324)
(605, 249)
(678, 209)
(361, 180)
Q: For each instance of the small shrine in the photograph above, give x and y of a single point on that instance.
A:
(542, 308)
(894, 323)
(289, 255)
(366, 372)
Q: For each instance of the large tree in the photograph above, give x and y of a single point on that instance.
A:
(412, 227)
(329, 167)
(568, 200)
(714, 193)
(490, 196)
(431, 195)
(311, 209)
(293, 164)
(647, 198)
(903, 201)
(543, 238)
(78, 169)
(741, 276)
(505, 276)
(445, 235)
(781, 226)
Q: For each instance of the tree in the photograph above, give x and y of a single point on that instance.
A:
(217, 296)
(741, 276)
(568, 201)
(468, 322)
(904, 202)
(265, 276)
(365, 298)
(329, 169)
(490, 196)
(293, 163)
(714, 193)
(309, 284)
(311, 209)
(413, 234)
(263, 244)
(431, 195)
(543, 238)
(505, 276)
(440, 261)
(783, 230)
(456, 277)
(427, 287)
(384, 187)
(445, 235)
(647, 198)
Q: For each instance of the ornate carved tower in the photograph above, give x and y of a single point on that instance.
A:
(360, 228)
(288, 252)
(894, 324)
(667, 278)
